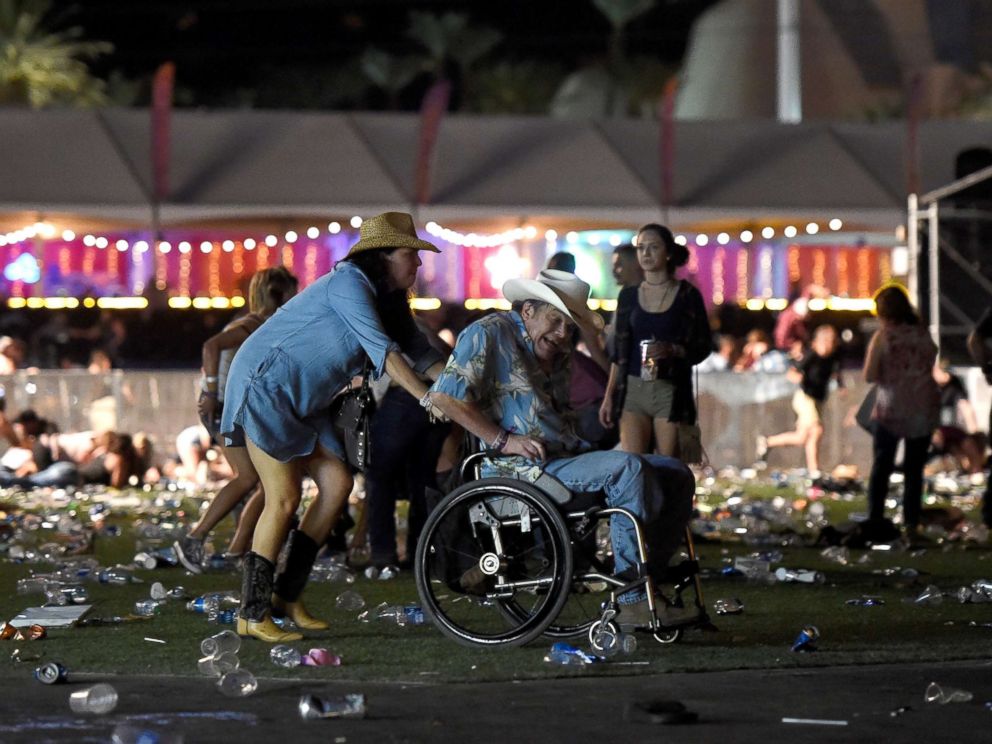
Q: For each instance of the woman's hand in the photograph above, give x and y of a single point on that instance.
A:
(528, 447)
(659, 350)
(606, 411)
(206, 406)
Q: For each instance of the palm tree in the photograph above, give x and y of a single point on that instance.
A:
(43, 67)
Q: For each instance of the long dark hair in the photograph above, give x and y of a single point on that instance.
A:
(892, 304)
(678, 255)
(393, 304)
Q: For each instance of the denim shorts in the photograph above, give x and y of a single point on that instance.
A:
(651, 398)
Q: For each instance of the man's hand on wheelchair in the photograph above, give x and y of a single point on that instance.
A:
(518, 444)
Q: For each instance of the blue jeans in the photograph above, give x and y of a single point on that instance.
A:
(657, 489)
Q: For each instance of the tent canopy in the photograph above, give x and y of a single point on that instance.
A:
(251, 164)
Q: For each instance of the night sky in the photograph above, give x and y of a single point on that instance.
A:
(222, 45)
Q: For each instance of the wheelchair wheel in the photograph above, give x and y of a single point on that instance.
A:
(494, 563)
(670, 635)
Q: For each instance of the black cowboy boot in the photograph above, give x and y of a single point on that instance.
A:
(256, 589)
(300, 555)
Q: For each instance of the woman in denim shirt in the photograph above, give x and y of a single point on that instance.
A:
(279, 391)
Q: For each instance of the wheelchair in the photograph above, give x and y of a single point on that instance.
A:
(502, 561)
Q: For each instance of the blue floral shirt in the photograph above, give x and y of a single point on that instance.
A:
(494, 367)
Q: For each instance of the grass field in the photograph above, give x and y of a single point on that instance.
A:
(759, 638)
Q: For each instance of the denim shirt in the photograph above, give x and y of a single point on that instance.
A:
(494, 367)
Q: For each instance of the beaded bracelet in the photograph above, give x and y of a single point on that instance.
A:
(500, 441)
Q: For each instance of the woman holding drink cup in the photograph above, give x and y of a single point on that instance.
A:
(661, 332)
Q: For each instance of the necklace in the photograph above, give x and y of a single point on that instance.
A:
(660, 303)
(658, 284)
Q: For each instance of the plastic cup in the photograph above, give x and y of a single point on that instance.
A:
(227, 641)
(99, 699)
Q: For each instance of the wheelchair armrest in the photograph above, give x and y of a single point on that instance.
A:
(553, 488)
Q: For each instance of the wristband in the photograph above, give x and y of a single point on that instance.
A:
(425, 400)
(500, 441)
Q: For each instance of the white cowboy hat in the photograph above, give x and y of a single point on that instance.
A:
(561, 289)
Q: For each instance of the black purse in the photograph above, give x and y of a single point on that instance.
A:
(351, 416)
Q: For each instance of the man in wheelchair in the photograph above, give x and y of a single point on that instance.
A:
(507, 382)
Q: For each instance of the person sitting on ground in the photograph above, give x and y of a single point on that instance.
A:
(32, 463)
(116, 465)
(756, 345)
(724, 358)
(957, 435)
(813, 373)
(507, 384)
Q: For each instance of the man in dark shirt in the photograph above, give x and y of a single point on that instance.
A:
(813, 373)
(978, 346)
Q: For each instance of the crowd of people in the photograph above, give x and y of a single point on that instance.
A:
(546, 387)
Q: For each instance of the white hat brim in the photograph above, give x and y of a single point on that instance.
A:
(518, 290)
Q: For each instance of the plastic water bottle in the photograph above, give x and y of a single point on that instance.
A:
(117, 575)
(147, 607)
(223, 617)
(226, 641)
(99, 699)
(799, 576)
(206, 604)
(565, 654)
(238, 683)
(285, 656)
(414, 615)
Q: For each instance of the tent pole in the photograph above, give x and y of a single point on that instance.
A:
(913, 248)
(934, 269)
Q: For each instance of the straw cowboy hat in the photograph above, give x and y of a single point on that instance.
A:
(560, 289)
(390, 230)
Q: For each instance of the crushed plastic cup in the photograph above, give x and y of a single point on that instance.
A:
(728, 606)
(237, 683)
(285, 656)
(930, 596)
(227, 641)
(944, 695)
(218, 666)
(349, 601)
(387, 573)
(158, 591)
(628, 643)
(98, 699)
(806, 638)
(312, 707)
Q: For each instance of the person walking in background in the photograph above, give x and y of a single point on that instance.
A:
(978, 347)
(279, 392)
(814, 372)
(626, 270)
(269, 290)
(661, 331)
(899, 361)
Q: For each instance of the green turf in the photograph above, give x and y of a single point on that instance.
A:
(760, 638)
